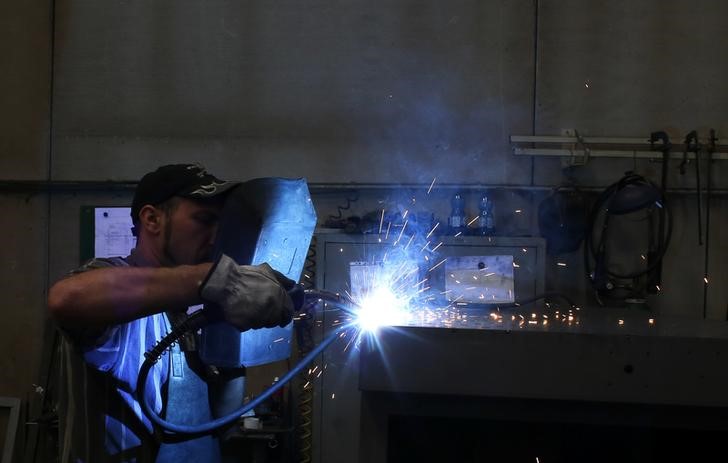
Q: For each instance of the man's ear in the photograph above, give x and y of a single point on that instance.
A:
(151, 219)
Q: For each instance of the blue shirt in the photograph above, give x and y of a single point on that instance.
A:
(100, 420)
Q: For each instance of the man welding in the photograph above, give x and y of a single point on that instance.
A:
(112, 310)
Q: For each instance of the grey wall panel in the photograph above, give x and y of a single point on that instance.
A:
(24, 120)
(25, 74)
(624, 68)
(23, 257)
(340, 161)
(24, 89)
(376, 92)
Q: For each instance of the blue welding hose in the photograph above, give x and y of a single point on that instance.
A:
(195, 322)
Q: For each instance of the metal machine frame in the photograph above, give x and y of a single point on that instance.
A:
(13, 405)
(338, 400)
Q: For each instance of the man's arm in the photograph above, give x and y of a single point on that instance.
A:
(107, 296)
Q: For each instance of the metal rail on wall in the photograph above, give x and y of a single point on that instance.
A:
(582, 148)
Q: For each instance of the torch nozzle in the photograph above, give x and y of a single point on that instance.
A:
(314, 296)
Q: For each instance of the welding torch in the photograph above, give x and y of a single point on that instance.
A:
(302, 298)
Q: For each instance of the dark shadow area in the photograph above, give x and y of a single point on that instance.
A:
(437, 439)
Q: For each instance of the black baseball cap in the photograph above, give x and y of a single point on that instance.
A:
(185, 180)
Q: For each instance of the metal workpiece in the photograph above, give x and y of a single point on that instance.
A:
(596, 357)
(596, 366)
(559, 317)
(600, 368)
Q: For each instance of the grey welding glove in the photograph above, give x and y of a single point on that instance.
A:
(248, 296)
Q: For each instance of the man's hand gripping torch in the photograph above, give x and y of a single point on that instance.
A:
(299, 300)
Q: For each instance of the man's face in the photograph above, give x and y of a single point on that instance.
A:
(189, 232)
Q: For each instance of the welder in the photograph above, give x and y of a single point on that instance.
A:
(112, 310)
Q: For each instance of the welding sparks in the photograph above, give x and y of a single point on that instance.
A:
(437, 265)
(401, 231)
(420, 283)
(398, 289)
(431, 184)
(431, 231)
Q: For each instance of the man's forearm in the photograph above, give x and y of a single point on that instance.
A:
(109, 296)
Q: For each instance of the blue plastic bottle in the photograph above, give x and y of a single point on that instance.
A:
(486, 223)
(456, 220)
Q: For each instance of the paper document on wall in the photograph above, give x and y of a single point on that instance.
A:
(112, 232)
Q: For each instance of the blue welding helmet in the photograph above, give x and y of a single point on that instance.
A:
(263, 220)
(562, 220)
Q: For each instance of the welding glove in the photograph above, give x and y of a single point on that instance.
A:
(248, 296)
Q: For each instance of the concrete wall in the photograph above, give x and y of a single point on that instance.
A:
(342, 91)
(390, 92)
(333, 91)
(25, 31)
